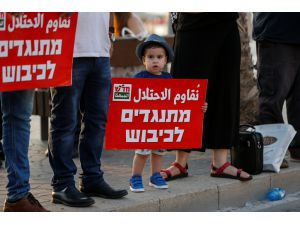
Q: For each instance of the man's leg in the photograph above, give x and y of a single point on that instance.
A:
(277, 72)
(276, 75)
(95, 108)
(64, 120)
(293, 108)
(17, 109)
(1, 147)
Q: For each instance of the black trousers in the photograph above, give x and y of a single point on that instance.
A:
(279, 80)
(213, 53)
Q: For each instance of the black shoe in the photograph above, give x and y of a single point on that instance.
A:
(103, 190)
(70, 196)
(0, 163)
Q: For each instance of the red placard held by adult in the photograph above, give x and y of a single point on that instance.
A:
(155, 113)
(36, 50)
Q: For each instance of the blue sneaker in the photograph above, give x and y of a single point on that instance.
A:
(136, 184)
(157, 181)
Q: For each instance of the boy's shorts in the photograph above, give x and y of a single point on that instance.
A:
(148, 152)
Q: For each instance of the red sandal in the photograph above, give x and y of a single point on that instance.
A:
(219, 172)
(183, 172)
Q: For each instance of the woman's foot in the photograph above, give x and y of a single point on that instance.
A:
(174, 171)
(229, 171)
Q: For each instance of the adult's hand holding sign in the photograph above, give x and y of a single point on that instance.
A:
(155, 113)
(36, 50)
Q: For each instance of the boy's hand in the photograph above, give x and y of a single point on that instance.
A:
(204, 107)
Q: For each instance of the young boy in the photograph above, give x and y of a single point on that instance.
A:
(154, 53)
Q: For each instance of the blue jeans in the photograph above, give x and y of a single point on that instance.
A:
(89, 94)
(16, 109)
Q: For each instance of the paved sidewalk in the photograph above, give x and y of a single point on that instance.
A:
(198, 192)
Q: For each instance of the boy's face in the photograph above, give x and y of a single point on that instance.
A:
(155, 60)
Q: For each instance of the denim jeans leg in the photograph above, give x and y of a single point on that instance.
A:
(65, 107)
(96, 99)
(0, 121)
(17, 109)
(1, 148)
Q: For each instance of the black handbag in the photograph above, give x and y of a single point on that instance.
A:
(249, 153)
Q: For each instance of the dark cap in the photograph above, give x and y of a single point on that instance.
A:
(153, 38)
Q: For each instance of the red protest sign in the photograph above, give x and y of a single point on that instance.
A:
(155, 113)
(36, 50)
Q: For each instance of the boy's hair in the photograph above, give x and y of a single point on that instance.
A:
(153, 45)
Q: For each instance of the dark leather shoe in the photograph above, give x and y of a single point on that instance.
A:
(103, 190)
(26, 204)
(70, 196)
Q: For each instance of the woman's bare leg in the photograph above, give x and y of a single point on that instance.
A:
(181, 158)
(219, 158)
(138, 164)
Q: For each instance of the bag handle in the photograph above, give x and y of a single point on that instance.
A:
(140, 36)
(245, 126)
